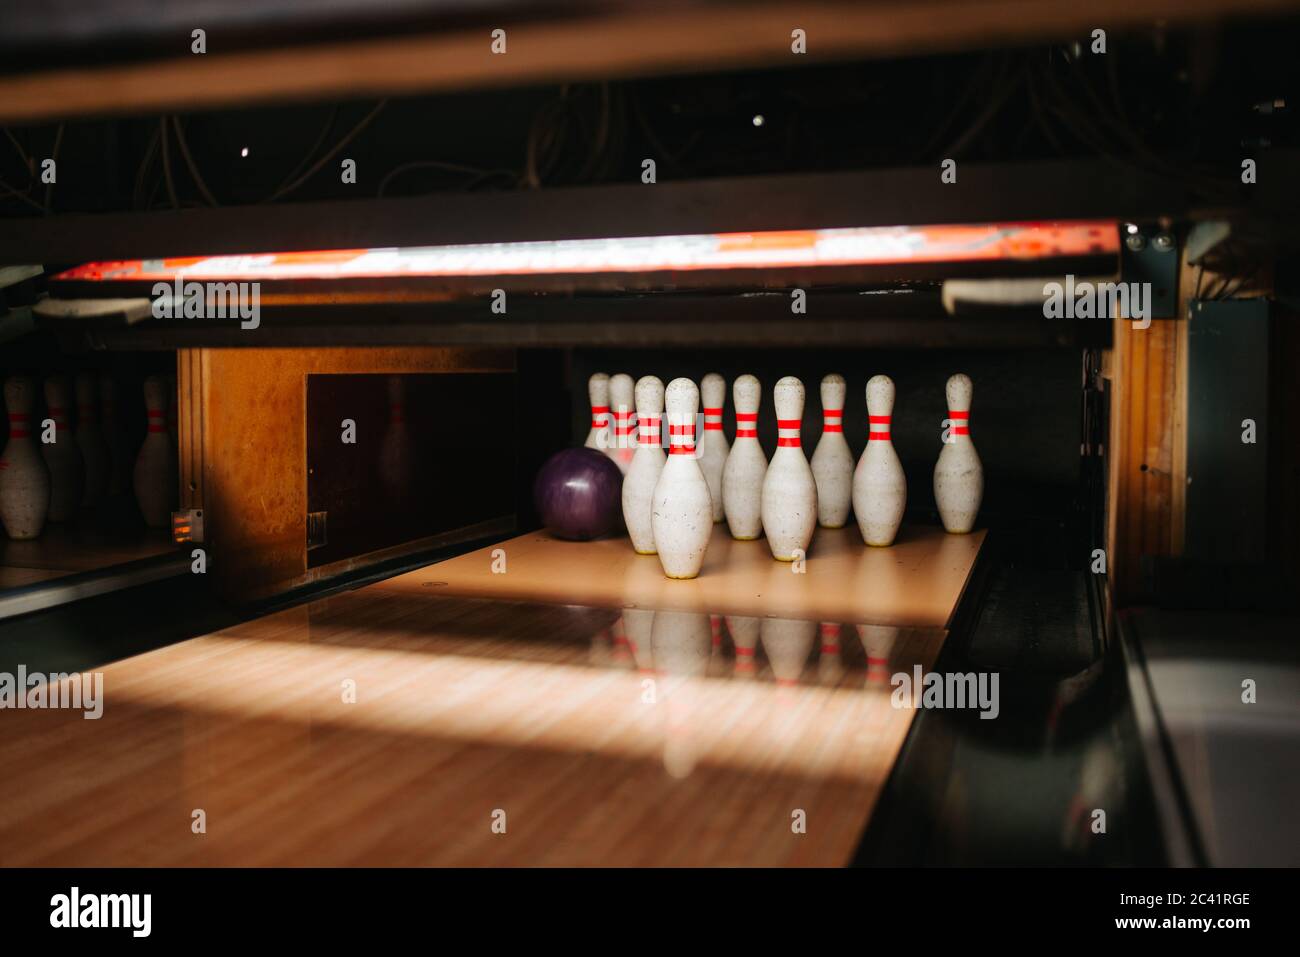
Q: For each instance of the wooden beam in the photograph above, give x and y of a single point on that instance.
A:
(625, 40)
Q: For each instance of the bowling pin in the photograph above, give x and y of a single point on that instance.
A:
(396, 459)
(832, 462)
(746, 465)
(713, 448)
(155, 476)
(90, 438)
(62, 456)
(789, 504)
(24, 477)
(958, 475)
(879, 486)
(647, 463)
(598, 393)
(682, 516)
(623, 446)
(121, 458)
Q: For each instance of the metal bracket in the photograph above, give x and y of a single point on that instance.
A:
(1149, 254)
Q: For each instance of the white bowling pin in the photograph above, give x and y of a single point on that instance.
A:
(598, 393)
(622, 438)
(24, 477)
(713, 448)
(62, 456)
(879, 486)
(683, 513)
(647, 463)
(958, 475)
(788, 644)
(155, 475)
(396, 454)
(746, 465)
(789, 490)
(90, 439)
(832, 462)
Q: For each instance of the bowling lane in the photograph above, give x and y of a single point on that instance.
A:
(917, 582)
(397, 726)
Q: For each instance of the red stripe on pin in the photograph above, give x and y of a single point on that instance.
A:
(958, 415)
(790, 443)
(746, 416)
(747, 433)
(828, 427)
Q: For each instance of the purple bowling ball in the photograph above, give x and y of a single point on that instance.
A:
(579, 494)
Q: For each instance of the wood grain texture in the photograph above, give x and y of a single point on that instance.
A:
(254, 449)
(465, 709)
(1147, 455)
(917, 582)
(623, 40)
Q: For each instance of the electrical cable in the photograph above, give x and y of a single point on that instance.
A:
(166, 162)
(190, 164)
(320, 163)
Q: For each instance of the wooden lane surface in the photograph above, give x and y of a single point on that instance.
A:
(917, 582)
(464, 709)
(65, 549)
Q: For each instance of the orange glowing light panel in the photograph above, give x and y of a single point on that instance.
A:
(811, 247)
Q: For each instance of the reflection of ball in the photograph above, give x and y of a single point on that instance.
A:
(579, 494)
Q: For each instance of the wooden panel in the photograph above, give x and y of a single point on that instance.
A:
(254, 483)
(1142, 450)
(624, 40)
(917, 582)
(464, 709)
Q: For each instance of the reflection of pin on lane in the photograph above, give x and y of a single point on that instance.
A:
(958, 475)
(24, 477)
(788, 644)
(878, 644)
(713, 449)
(621, 401)
(621, 652)
(830, 666)
(598, 393)
(638, 624)
(681, 643)
(744, 637)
